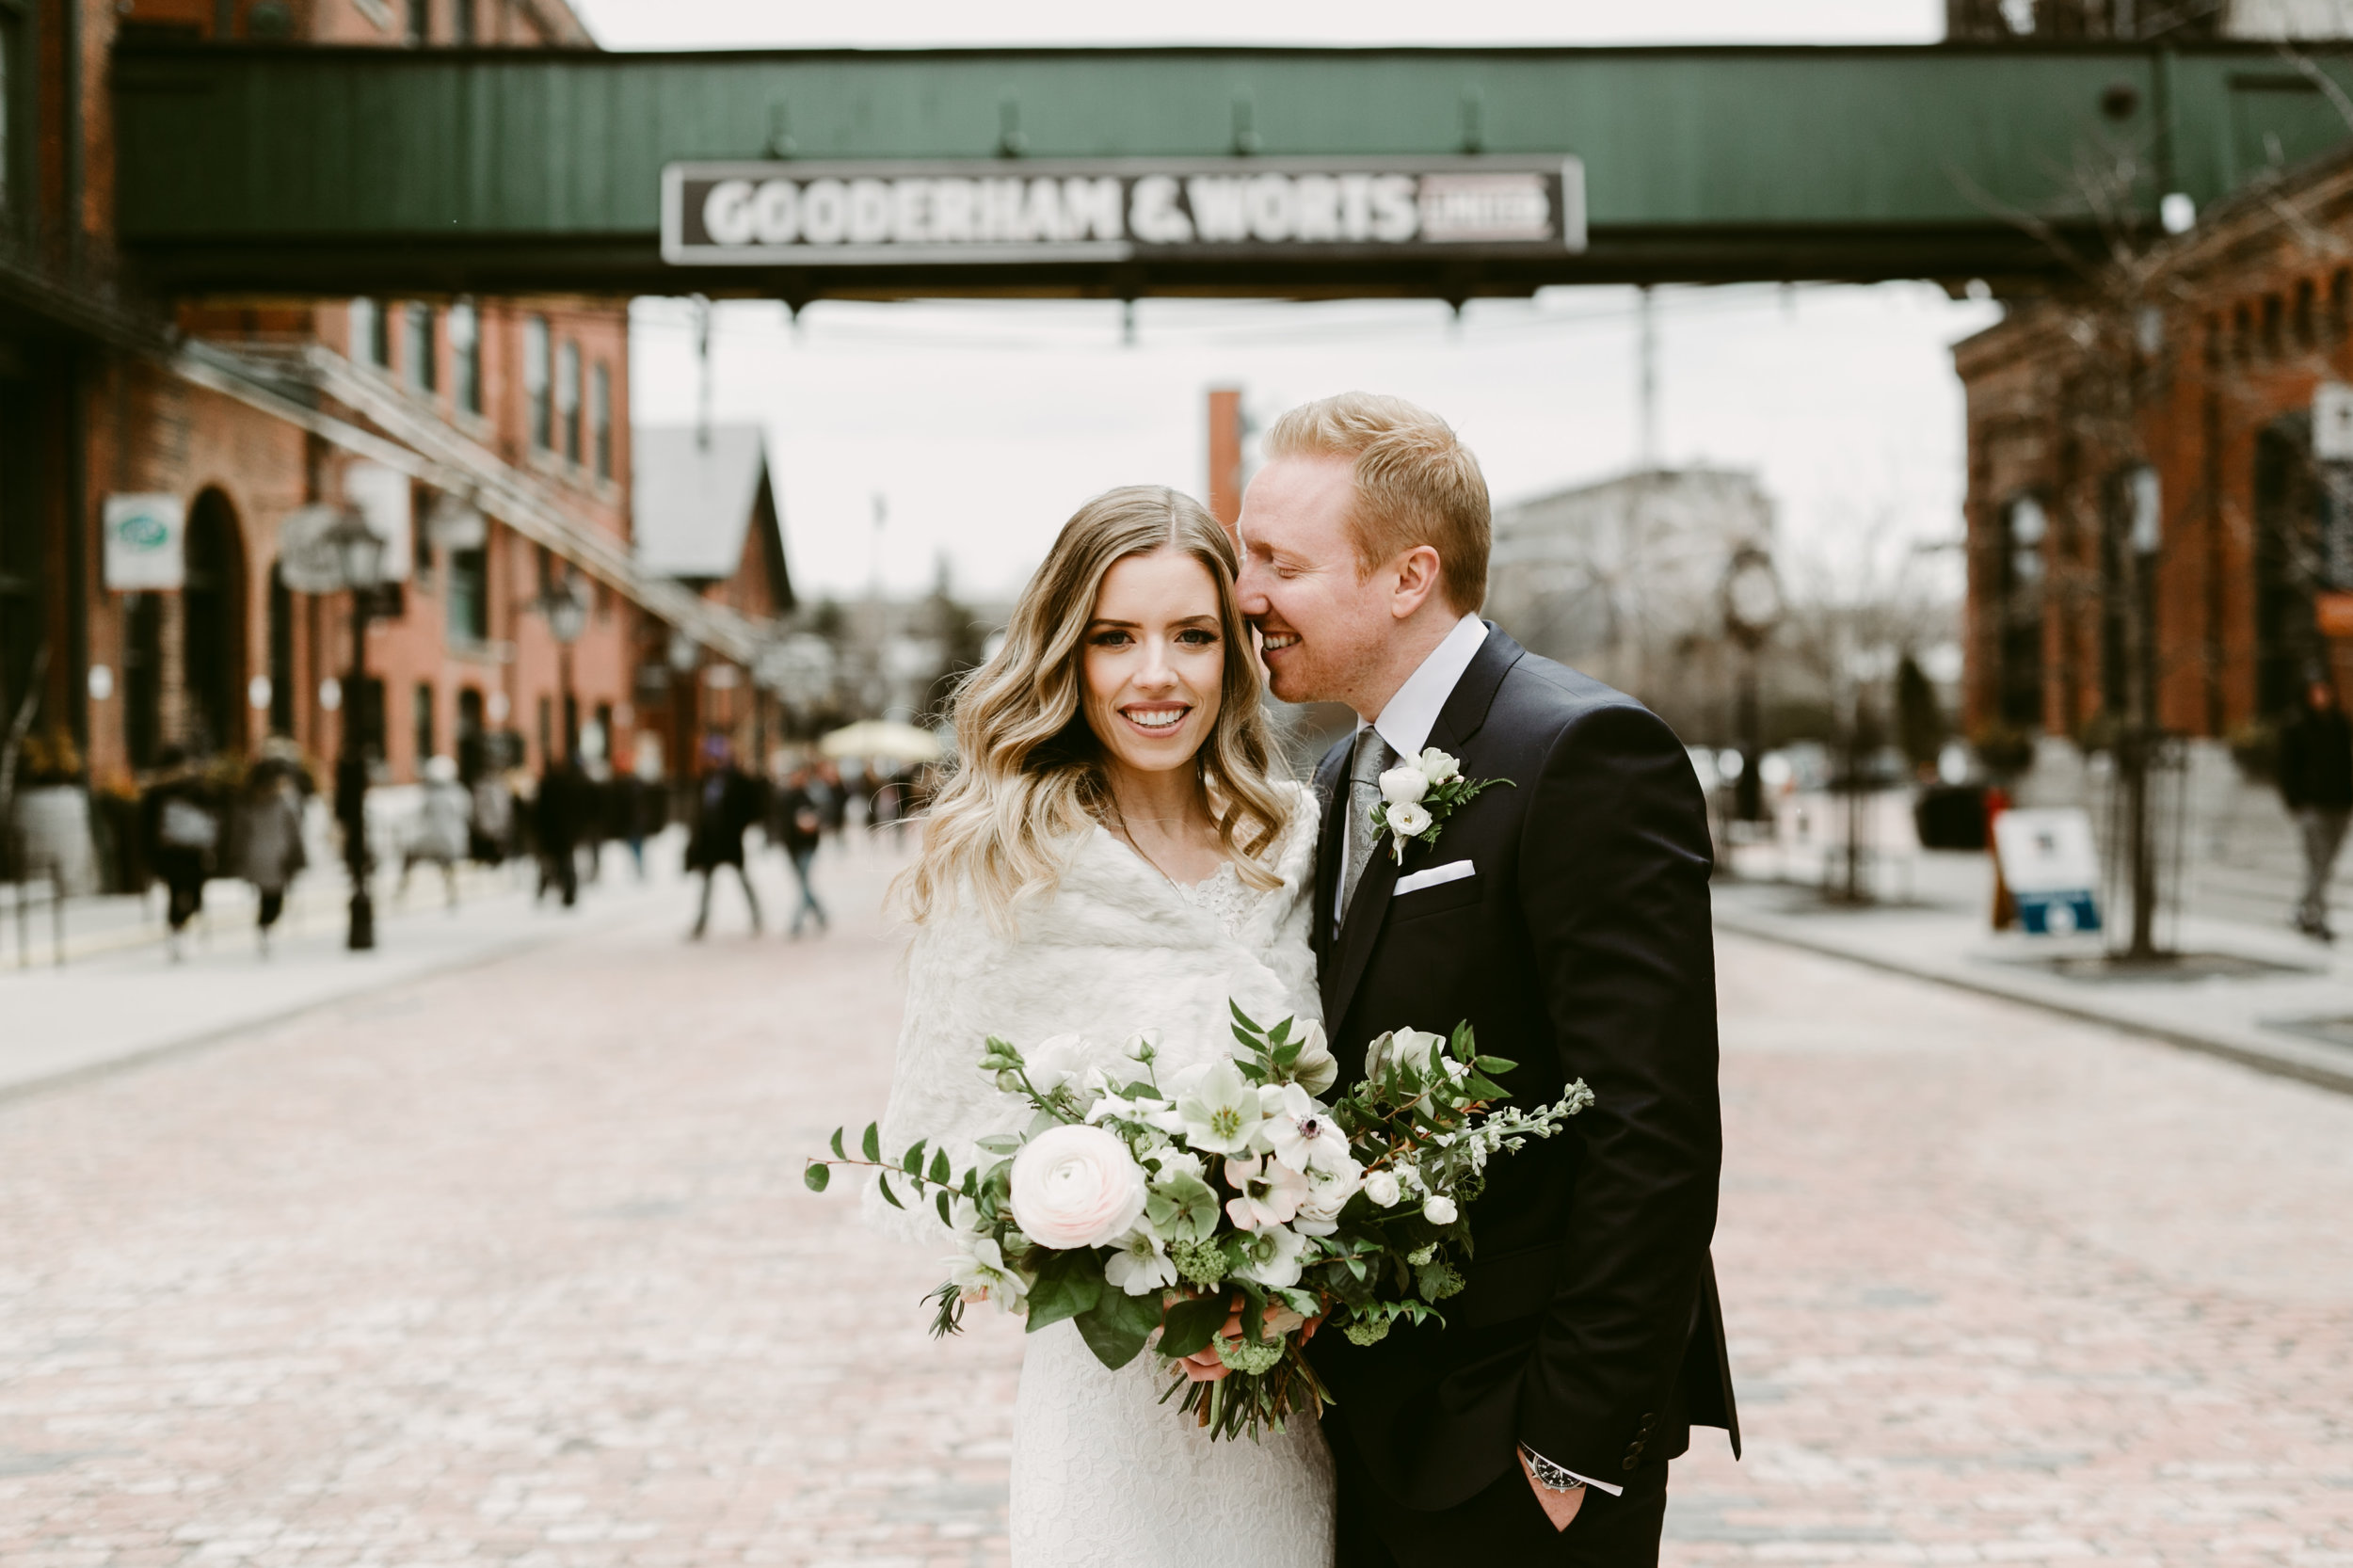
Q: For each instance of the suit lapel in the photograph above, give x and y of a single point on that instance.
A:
(1343, 968)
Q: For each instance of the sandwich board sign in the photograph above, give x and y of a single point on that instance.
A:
(2052, 869)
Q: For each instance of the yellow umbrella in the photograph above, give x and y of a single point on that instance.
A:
(883, 738)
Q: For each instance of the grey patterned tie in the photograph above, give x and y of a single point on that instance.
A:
(1374, 757)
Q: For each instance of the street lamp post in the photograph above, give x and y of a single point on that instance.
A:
(568, 616)
(358, 555)
(1752, 607)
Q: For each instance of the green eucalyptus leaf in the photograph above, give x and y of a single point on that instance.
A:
(942, 1171)
(838, 1153)
(871, 1143)
(913, 1161)
(944, 1217)
(889, 1196)
(817, 1175)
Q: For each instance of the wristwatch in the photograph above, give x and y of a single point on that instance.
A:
(1548, 1475)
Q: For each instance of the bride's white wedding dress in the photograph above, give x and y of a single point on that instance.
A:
(1102, 1473)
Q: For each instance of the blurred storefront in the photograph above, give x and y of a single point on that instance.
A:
(2160, 483)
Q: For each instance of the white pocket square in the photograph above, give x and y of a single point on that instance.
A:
(1453, 871)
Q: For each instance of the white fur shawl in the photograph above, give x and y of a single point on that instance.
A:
(1117, 949)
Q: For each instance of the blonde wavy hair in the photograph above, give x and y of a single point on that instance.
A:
(1029, 779)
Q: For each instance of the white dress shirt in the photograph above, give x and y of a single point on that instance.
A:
(1405, 722)
(1408, 717)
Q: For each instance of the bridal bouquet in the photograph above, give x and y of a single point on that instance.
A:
(1224, 1217)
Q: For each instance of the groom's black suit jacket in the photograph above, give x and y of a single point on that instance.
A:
(1580, 947)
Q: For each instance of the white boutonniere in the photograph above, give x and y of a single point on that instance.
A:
(1419, 794)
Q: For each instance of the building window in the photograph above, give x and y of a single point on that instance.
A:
(465, 356)
(2306, 334)
(468, 597)
(2275, 313)
(2341, 302)
(600, 418)
(371, 334)
(461, 20)
(417, 348)
(2242, 334)
(418, 22)
(567, 397)
(538, 374)
(424, 721)
(2025, 526)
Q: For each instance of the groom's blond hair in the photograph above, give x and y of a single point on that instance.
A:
(1416, 483)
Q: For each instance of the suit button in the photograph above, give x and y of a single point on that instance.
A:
(1650, 1419)
(1630, 1462)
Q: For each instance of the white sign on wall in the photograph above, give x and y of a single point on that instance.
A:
(2332, 422)
(147, 538)
(387, 499)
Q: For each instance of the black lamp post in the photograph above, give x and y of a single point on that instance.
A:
(358, 555)
(566, 611)
(1752, 607)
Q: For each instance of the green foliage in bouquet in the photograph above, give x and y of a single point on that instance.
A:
(1224, 1217)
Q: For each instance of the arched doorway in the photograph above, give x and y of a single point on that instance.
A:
(212, 628)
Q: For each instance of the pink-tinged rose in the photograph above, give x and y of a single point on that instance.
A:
(1075, 1186)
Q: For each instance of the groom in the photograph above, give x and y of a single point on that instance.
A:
(1566, 919)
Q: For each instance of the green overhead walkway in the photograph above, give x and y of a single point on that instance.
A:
(254, 169)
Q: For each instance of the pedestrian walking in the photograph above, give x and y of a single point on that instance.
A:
(832, 797)
(266, 839)
(636, 807)
(444, 826)
(2316, 786)
(181, 829)
(558, 815)
(800, 820)
(727, 802)
(491, 822)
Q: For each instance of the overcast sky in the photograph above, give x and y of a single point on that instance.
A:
(983, 426)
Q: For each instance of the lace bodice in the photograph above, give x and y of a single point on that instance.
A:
(1226, 897)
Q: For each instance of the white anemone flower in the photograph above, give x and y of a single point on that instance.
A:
(1274, 1257)
(978, 1274)
(1266, 1192)
(1403, 785)
(1139, 1264)
(1219, 1111)
(1300, 1132)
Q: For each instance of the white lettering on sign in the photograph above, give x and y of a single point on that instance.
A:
(751, 213)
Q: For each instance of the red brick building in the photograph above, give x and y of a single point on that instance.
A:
(2147, 453)
(488, 439)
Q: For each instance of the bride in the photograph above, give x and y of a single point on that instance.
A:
(1116, 855)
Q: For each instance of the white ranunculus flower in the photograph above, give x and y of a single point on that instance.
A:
(1219, 1110)
(1176, 1162)
(1266, 1192)
(1059, 1062)
(1406, 1047)
(1075, 1186)
(1401, 786)
(1409, 821)
(1328, 1192)
(1439, 1210)
(1273, 1257)
(1316, 1070)
(1383, 1189)
(1141, 1108)
(979, 1274)
(1139, 1264)
(1299, 1130)
(1437, 767)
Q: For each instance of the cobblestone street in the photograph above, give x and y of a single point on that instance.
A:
(515, 1265)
